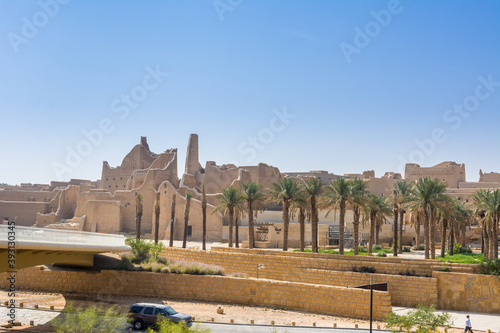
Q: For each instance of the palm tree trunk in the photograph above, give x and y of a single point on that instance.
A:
(377, 232)
(464, 229)
(157, 216)
(495, 236)
(172, 219)
(251, 240)
(491, 254)
(204, 218)
(417, 230)
(451, 243)
(401, 220)
(426, 233)
(432, 234)
(237, 232)
(302, 218)
(486, 239)
(341, 226)
(138, 222)
(444, 226)
(395, 243)
(482, 237)
(231, 216)
(314, 225)
(372, 232)
(355, 226)
(286, 219)
(138, 215)
(186, 223)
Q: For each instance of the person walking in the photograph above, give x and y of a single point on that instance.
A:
(468, 325)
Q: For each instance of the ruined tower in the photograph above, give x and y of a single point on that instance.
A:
(192, 164)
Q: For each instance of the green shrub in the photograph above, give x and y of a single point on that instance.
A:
(161, 260)
(156, 250)
(406, 249)
(408, 273)
(90, 320)
(166, 326)
(141, 249)
(362, 249)
(444, 269)
(377, 247)
(382, 254)
(423, 318)
(239, 275)
(421, 247)
(126, 263)
(364, 269)
(491, 267)
(458, 248)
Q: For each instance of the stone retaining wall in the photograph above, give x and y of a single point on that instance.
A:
(385, 265)
(469, 292)
(322, 299)
(405, 290)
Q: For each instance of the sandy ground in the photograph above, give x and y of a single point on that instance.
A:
(202, 311)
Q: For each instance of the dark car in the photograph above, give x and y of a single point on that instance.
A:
(141, 315)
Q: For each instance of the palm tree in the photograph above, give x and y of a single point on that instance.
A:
(254, 198)
(239, 212)
(426, 196)
(444, 219)
(489, 202)
(204, 217)
(301, 206)
(495, 212)
(138, 214)
(284, 191)
(172, 219)
(236, 228)
(416, 220)
(313, 188)
(450, 215)
(337, 193)
(485, 241)
(384, 210)
(395, 211)
(401, 191)
(157, 216)
(189, 195)
(357, 200)
(230, 202)
(377, 208)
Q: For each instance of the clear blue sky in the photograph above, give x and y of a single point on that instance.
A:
(364, 81)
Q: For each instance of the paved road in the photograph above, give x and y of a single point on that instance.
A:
(479, 321)
(232, 328)
(41, 317)
(24, 316)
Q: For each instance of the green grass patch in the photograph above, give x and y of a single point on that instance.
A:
(472, 258)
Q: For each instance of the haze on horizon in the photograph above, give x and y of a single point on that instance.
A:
(343, 86)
